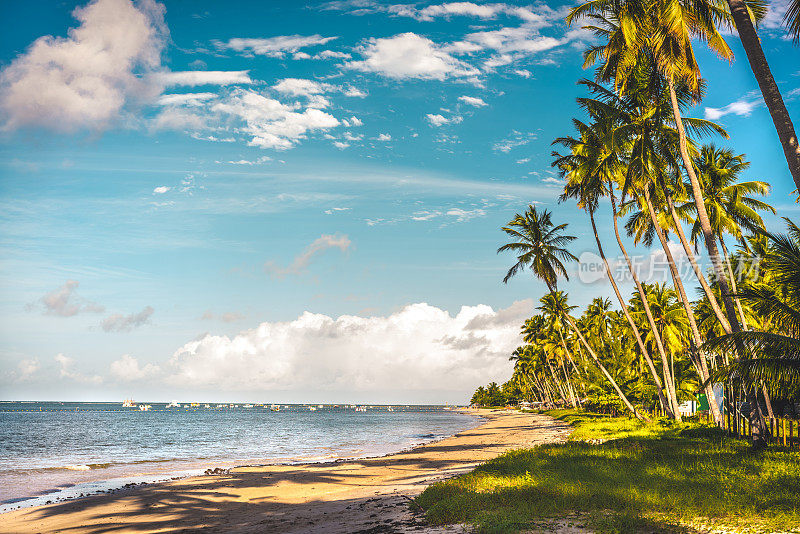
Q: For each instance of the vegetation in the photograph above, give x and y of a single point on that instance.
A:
(658, 476)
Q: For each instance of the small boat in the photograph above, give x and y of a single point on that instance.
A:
(128, 403)
(275, 407)
(361, 409)
(173, 404)
(145, 407)
(312, 408)
(390, 409)
(206, 406)
(247, 405)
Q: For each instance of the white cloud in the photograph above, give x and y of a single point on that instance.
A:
(66, 365)
(64, 302)
(336, 210)
(127, 369)
(409, 55)
(277, 46)
(742, 107)
(301, 87)
(302, 260)
(419, 347)
(26, 368)
(341, 145)
(516, 139)
(257, 161)
(270, 123)
(160, 190)
(440, 120)
(523, 73)
(462, 215)
(382, 137)
(85, 80)
(125, 323)
(473, 101)
(185, 99)
(354, 92)
(203, 77)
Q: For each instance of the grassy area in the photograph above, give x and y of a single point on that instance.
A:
(644, 477)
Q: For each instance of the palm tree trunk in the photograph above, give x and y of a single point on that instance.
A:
(698, 273)
(600, 366)
(699, 360)
(670, 385)
(557, 382)
(769, 89)
(756, 419)
(570, 389)
(733, 283)
(572, 362)
(633, 326)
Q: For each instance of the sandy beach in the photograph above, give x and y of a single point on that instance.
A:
(364, 496)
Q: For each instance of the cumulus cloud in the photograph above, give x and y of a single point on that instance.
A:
(270, 123)
(276, 47)
(66, 370)
(127, 368)
(85, 80)
(301, 262)
(437, 119)
(409, 55)
(301, 87)
(473, 101)
(203, 77)
(227, 317)
(382, 137)
(160, 190)
(64, 302)
(185, 99)
(26, 368)
(125, 323)
(742, 107)
(419, 347)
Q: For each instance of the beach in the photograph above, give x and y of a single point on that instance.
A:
(368, 495)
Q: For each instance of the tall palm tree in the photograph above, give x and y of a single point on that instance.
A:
(773, 356)
(593, 162)
(661, 35)
(540, 246)
(744, 14)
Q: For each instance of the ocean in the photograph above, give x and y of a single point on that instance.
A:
(52, 451)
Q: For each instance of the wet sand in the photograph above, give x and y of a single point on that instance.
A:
(359, 496)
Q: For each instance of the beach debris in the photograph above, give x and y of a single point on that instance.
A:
(217, 471)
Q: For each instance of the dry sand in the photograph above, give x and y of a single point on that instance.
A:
(360, 496)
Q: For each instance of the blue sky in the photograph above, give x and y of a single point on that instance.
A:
(194, 192)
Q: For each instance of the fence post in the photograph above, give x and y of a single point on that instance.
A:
(783, 424)
(771, 430)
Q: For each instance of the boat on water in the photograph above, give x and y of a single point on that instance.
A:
(275, 407)
(173, 404)
(145, 407)
(128, 403)
(361, 408)
(247, 405)
(312, 408)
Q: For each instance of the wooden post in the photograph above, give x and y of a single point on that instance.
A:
(791, 431)
(771, 429)
(783, 424)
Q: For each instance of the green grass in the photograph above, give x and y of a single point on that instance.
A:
(645, 477)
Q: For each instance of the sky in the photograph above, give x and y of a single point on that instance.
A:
(296, 202)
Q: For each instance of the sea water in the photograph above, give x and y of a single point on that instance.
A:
(52, 451)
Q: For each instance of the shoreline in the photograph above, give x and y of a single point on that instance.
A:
(184, 469)
(339, 496)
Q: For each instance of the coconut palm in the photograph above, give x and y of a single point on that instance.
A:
(540, 246)
(743, 14)
(773, 356)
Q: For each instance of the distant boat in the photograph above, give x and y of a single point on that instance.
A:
(206, 406)
(247, 405)
(312, 408)
(390, 409)
(361, 409)
(320, 406)
(275, 407)
(128, 403)
(145, 407)
(173, 404)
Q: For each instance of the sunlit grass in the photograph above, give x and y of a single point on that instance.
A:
(651, 477)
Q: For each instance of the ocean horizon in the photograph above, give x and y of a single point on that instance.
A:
(54, 451)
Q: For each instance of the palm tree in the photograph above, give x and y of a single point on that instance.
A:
(773, 356)
(540, 247)
(660, 36)
(593, 162)
(731, 207)
(743, 14)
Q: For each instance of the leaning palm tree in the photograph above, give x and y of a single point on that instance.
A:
(773, 357)
(744, 13)
(540, 246)
(594, 160)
